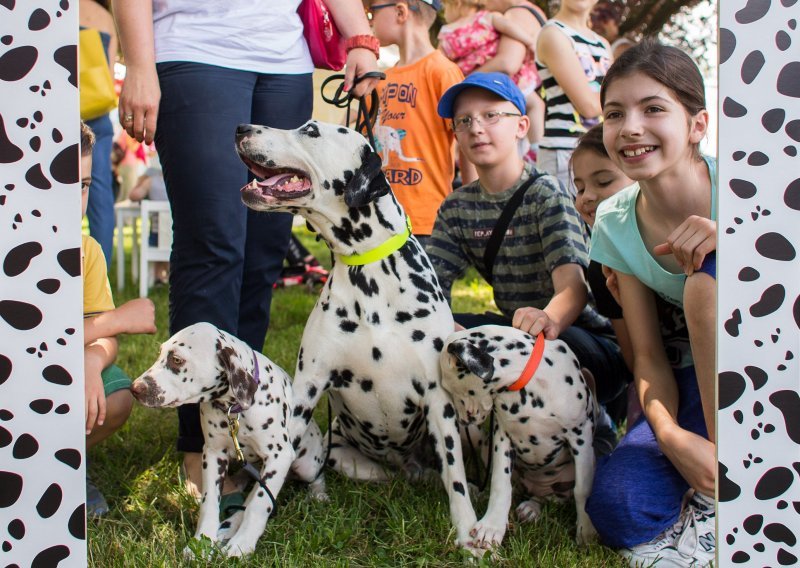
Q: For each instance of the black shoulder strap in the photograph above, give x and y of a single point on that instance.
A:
(532, 10)
(499, 230)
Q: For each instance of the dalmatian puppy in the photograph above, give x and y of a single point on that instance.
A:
(375, 334)
(206, 365)
(543, 432)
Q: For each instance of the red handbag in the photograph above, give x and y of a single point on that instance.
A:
(324, 40)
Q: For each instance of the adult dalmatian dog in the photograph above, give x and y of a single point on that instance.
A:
(545, 415)
(230, 380)
(374, 336)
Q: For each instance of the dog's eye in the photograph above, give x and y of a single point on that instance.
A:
(175, 360)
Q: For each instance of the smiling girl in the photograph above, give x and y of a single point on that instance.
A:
(659, 236)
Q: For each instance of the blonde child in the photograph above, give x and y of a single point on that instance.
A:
(417, 147)
(654, 119)
(108, 397)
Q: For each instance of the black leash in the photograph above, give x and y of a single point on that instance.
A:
(365, 118)
(478, 459)
(233, 427)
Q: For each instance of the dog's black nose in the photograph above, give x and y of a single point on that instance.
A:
(244, 129)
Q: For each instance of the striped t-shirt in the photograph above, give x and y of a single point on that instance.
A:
(563, 125)
(544, 233)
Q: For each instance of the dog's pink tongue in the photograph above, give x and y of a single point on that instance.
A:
(276, 178)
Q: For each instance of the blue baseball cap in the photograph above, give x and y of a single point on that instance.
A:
(435, 4)
(498, 83)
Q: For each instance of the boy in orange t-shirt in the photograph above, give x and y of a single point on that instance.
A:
(417, 145)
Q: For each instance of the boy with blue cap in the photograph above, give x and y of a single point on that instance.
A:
(537, 271)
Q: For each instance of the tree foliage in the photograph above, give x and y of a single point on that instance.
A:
(638, 18)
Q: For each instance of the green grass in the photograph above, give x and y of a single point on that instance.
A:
(394, 524)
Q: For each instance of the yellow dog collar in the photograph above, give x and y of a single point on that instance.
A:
(390, 245)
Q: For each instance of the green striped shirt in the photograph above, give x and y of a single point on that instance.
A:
(544, 233)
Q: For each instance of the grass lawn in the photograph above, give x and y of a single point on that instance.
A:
(393, 524)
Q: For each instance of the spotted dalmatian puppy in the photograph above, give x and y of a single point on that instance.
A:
(374, 336)
(543, 431)
(204, 364)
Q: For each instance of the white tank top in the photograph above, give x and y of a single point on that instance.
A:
(265, 36)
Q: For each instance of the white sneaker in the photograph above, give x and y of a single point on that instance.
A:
(689, 543)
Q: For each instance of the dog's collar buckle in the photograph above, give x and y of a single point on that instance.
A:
(387, 247)
(531, 365)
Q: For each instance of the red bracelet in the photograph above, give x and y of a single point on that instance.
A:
(365, 41)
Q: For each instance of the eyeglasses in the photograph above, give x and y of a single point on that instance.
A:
(375, 7)
(464, 123)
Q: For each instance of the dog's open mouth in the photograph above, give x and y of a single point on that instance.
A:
(280, 183)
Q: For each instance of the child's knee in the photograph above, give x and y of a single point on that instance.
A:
(118, 408)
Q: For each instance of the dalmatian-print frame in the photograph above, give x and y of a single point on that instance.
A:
(758, 419)
(42, 477)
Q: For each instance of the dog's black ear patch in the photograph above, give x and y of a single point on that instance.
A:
(368, 183)
(477, 361)
(242, 384)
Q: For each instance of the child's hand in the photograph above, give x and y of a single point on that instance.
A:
(692, 456)
(137, 316)
(534, 320)
(690, 243)
(95, 396)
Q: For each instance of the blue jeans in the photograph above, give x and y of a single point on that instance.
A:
(598, 353)
(637, 491)
(225, 257)
(100, 210)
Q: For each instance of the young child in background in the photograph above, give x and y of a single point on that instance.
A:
(471, 38)
(108, 397)
(417, 146)
(654, 114)
(596, 178)
(572, 61)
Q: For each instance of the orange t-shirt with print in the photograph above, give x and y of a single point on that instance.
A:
(417, 145)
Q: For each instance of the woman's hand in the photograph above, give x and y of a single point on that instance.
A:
(359, 61)
(690, 243)
(138, 103)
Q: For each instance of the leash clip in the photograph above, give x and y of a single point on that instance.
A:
(233, 429)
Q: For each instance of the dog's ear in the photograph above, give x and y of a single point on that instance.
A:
(477, 362)
(368, 182)
(242, 384)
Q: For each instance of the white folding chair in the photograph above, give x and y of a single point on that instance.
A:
(159, 252)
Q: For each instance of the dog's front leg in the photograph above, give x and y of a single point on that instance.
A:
(259, 505)
(490, 530)
(215, 465)
(443, 429)
(310, 382)
(584, 477)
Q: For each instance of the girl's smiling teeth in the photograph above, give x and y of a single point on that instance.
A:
(637, 151)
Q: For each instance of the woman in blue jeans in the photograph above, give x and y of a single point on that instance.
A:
(196, 70)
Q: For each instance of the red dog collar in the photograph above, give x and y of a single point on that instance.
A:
(531, 365)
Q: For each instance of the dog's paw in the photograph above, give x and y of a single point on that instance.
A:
(237, 547)
(486, 534)
(585, 534)
(318, 491)
(529, 511)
